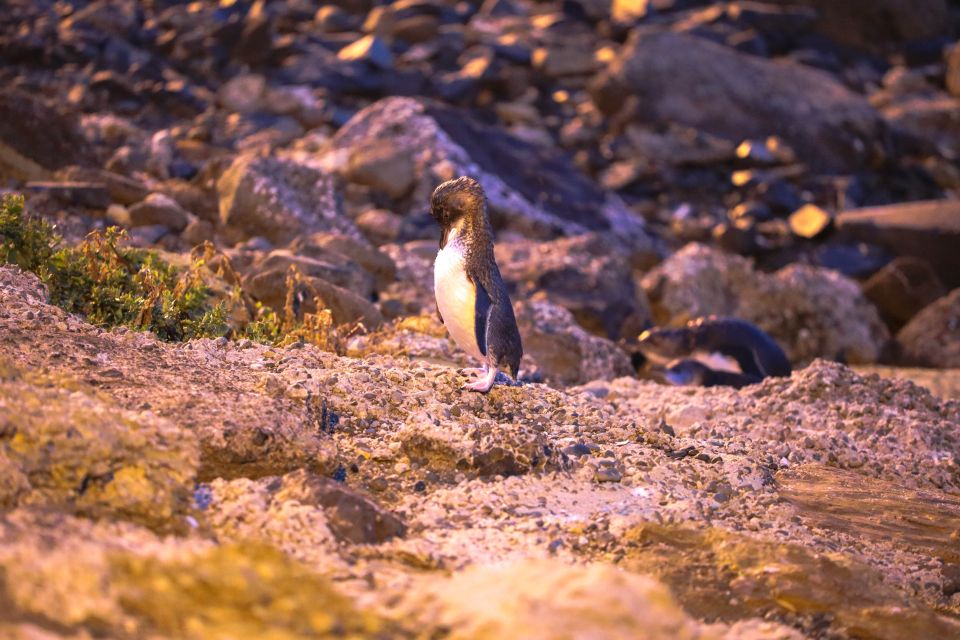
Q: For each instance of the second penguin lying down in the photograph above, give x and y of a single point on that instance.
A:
(471, 297)
(757, 354)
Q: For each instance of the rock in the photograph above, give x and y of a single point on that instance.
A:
(385, 169)
(353, 517)
(158, 209)
(809, 221)
(562, 352)
(197, 232)
(567, 60)
(952, 73)
(270, 288)
(243, 93)
(76, 452)
(629, 11)
(121, 189)
(380, 226)
(890, 21)
(370, 49)
(531, 190)
(902, 288)
(36, 139)
(684, 79)
(548, 598)
(932, 337)
(198, 200)
(582, 274)
(84, 194)
(707, 499)
(333, 19)
(810, 312)
(333, 267)
(415, 337)
(304, 515)
(928, 230)
(856, 260)
(348, 250)
(279, 199)
(724, 559)
(241, 433)
(933, 119)
(416, 29)
(95, 578)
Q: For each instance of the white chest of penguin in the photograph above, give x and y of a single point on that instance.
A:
(456, 296)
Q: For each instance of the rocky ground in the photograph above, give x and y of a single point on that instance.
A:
(793, 164)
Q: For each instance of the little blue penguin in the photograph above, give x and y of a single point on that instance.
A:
(471, 297)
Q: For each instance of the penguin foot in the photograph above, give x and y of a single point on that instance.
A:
(484, 384)
(474, 371)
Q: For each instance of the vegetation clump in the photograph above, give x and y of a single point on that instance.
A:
(109, 283)
(294, 324)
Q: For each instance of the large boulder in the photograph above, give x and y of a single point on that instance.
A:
(811, 312)
(562, 352)
(880, 22)
(269, 285)
(931, 119)
(585, 275)
(74, 451)
(902, 289)
(529, 189)
(279, 199)
(244, 426)
(549, 599)
(928, 230)
(689, 80)
(115, 579)
(35, 138)
(932, 337)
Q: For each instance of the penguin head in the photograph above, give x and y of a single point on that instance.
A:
(455, 200)
(667, 342)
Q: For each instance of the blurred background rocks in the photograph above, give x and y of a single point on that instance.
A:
(607, 136)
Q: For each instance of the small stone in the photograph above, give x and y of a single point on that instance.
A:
(809, 221)
(607, 474)
(577, 450)
(629, 11)
(86, 194)
(416, 28)
(371, 49)
(383, 168)
(159, 209)
(197, 232)
(332, 19)
(567, 60)
(242, 93)
(380, 226)
(953, 70)
(902, 289)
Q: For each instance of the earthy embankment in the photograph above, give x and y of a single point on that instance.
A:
(184, 490)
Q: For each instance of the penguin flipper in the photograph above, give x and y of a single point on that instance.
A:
(501, 337)
(482, 308)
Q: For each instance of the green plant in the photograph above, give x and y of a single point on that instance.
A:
(267, 326)
(27, 242)
(109, 283)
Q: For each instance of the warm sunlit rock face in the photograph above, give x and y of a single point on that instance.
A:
(229, 408)
(698, 511)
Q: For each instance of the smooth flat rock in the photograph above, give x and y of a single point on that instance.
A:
(928, 230)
